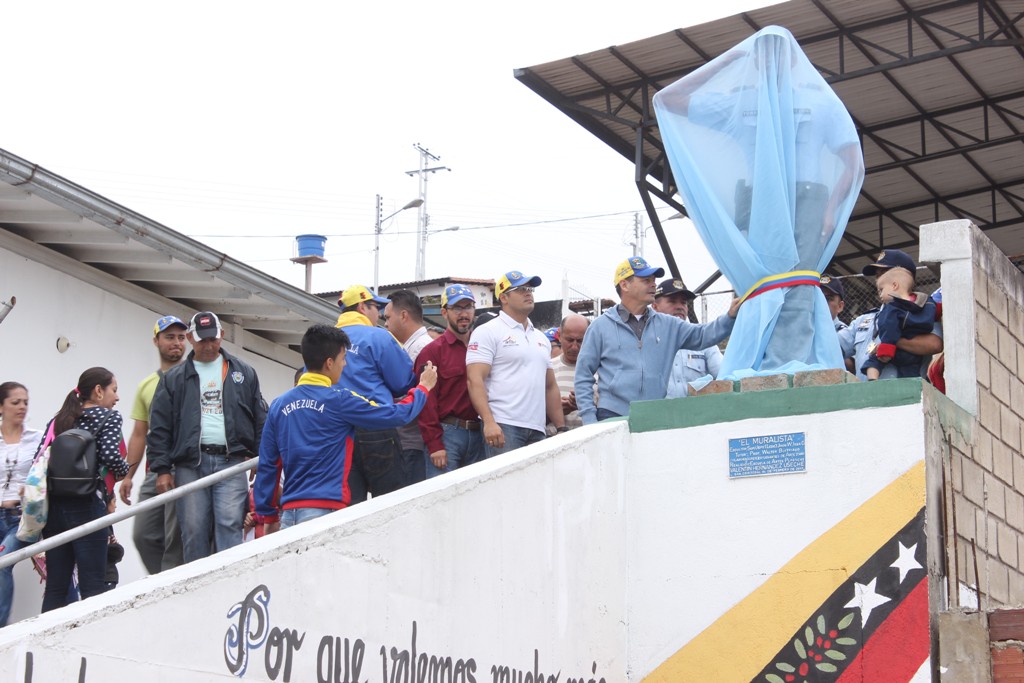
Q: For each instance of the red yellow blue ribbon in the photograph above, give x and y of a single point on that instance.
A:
(793, 278)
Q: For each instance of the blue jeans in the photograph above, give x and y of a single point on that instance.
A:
(293, 516)
(9, 520)
(376, 464)
(88, 552)
(462, 446)
(412, 465)
(211, 519)
(515, 437)
(604, 414)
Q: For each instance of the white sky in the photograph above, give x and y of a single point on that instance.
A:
(244, 124)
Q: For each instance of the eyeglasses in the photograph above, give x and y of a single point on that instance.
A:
(524, 290)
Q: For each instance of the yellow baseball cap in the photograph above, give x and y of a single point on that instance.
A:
(357, 294)
(635, 266)
(513, 279)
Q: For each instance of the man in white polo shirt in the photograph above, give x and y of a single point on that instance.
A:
(508, 371)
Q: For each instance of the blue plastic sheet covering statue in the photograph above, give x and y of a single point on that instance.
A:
(769, 165)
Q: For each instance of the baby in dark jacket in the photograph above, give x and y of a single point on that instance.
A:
(904, 314)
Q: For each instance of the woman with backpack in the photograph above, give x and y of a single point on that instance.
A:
(89, 407)
(18, 446)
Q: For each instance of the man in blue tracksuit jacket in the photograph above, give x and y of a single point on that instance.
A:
(308, 433)
(631, 347)
(378, 369)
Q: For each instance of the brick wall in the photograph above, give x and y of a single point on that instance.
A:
(1006, 633)
(983, 322)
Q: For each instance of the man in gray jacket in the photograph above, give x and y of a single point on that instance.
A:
(207, 415)
(631, 346)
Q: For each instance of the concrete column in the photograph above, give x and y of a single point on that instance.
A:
(951, 244)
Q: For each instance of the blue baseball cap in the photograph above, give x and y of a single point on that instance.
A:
(453, 294)
(165, 322)
(513, 279)
(891, 258)
(834, 285)
(552, 334)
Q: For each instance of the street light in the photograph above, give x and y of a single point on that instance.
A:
(639, 232)
(376, 235)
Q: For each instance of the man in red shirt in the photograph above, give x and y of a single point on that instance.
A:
(449, 423)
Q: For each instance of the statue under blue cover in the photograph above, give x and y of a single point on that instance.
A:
(769, 165)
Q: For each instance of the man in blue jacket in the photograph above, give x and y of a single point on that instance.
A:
(631, 347)
(378, 369)
(308, 432)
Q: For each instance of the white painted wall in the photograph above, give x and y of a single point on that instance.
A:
(952, 244)
(603, 551)
(104, 330)
(492, 562)
(484, 294)
(700, 542)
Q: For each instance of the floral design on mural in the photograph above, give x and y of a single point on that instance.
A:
(818, 650)
(873, 627)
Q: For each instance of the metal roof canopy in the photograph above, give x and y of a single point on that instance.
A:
(51, 220)
(935, 88)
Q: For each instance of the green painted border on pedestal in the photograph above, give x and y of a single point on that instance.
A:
(693, 411)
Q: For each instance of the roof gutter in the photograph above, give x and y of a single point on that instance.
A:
(91, 206)
(6, 306)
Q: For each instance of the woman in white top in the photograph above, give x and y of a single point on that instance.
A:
(18, 447)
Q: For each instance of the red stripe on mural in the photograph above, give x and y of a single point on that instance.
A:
(898, 646)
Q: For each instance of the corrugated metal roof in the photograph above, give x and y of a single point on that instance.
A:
(936, 88)
(52, 220)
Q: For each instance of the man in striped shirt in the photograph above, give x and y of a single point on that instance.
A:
(570, 333)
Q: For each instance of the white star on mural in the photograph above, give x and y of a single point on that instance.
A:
(906, 562)
(866, 598)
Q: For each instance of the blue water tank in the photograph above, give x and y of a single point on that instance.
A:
(311, 245)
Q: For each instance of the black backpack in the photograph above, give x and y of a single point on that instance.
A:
(71, 470)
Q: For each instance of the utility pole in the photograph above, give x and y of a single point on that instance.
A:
(376, 245)
(641, 230)
(638, 236)
(426, 156)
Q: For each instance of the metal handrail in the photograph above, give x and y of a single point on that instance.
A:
(119, 515)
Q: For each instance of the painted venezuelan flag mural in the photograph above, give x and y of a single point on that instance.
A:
(850, 607)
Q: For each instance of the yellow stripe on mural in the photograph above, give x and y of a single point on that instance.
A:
(743, 640)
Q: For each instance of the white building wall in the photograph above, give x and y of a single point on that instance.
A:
(104, 330)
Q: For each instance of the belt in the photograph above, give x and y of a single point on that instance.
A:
(471, 425)
(213, 449)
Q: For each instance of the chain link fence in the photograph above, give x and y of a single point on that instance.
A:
(861, 296)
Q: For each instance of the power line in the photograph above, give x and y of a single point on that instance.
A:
(461, 229)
